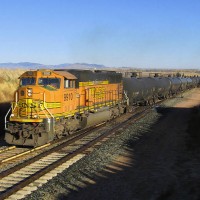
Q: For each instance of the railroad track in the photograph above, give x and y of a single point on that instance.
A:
(31, 170)
(17, 182)
(14, 154)
(5, 148)
(9, 152)
(22, 179)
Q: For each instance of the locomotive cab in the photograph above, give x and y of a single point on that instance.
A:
(38, 102)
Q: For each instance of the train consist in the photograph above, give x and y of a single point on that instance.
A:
(52, 103)
(149, 89)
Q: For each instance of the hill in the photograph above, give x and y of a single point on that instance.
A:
(29, 65)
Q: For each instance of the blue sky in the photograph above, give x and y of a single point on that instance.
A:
(132, 33)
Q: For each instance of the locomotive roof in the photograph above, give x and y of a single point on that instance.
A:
(93, 75)
(66, 74)
(46, 72)
(86, 70)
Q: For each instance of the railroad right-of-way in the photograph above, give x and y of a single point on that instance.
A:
(155, 158)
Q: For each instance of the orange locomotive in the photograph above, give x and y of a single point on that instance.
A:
(52, 103)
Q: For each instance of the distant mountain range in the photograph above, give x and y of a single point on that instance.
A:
(29, 65)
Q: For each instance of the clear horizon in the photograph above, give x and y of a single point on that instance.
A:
(142, 34)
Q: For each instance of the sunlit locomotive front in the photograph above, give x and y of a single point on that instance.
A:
(49, 104)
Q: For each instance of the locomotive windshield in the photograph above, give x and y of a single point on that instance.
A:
(54, 82)
(27, 81)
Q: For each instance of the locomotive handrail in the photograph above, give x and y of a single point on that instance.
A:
(46, 115)
(48, 111)
(126, 97)
(44, 100)
(6, 117)
(16, 101)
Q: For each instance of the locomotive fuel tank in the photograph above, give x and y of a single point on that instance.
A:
(98, 117)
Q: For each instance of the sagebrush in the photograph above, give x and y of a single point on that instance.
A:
(8, 83)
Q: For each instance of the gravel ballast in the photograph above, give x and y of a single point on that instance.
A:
(151, 159)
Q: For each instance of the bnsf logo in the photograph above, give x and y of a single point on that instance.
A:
(68, 97)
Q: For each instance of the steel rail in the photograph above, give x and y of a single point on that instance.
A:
(60, 161)
(81, 134)
(7, 149)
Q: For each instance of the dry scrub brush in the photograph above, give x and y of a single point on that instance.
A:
(8, 83)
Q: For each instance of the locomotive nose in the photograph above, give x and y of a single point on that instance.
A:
(25, 92)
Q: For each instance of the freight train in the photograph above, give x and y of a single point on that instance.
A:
(51, 103)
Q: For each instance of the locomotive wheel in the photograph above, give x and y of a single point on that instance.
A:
(70, 132)
(41, 140)
(151, 102)
(59, 130)
(58, 135)
(130, 109)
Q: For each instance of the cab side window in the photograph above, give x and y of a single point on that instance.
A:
(69, 83)
(72, 84)
(66, 83)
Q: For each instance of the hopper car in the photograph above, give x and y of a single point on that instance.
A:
(49, 104)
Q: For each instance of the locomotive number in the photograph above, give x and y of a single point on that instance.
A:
(68, 97)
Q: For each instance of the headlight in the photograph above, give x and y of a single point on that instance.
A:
(29, 92)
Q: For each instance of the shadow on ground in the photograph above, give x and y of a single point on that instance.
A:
(4, 107)
(163, 163)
